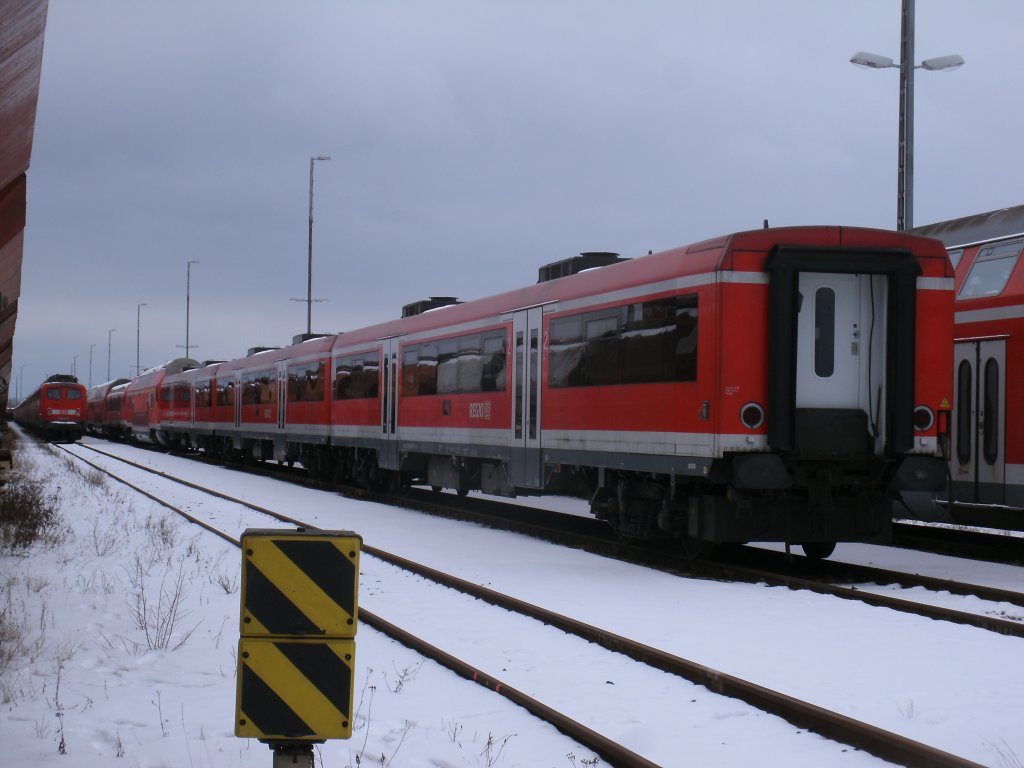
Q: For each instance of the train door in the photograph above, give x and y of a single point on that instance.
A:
(979, 393)
(282, 394)
(527, 334)
(237, 377)
(828, 334)
(388, 455)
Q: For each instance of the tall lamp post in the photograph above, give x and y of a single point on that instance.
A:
(110, 335)
(905, 160)
(91, 347)
(74, 366)
(138, 334)
(309, 268)
(188, 301)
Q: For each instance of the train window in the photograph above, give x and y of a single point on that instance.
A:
(226, 393)
(447, 366)
(565, 351)
(53, 393)
(492, 364)
(824, 332)
(641, 343)
(990, 425)
(165, 394)
(460, 365)
(991, 270)
(203, 394)
(964, 406)
(601, 353)
(356, 377)
(73, 394)
(259, 388)
(182, 394)
(306, 382)
(955, 255)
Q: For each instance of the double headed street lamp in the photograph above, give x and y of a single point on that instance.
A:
(138, 334)
(905, 162)
(110, 335)
(188, 301)
(309, 267)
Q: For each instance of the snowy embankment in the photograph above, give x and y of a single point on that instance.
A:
(82, 603)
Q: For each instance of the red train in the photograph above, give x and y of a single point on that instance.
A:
(777, 384)
(987, 451)
(55, 410)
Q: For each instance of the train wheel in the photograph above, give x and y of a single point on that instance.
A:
(818, 550)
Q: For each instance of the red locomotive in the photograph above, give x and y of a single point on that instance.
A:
(777, 384)
(987, 451)
(56, 410)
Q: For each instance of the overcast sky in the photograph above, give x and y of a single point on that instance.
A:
(471, 141)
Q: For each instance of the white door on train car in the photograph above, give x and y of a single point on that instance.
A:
(979, 395)
(527, 464)
(828, 362)
(388, 455)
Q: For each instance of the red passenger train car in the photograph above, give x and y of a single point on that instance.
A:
(56, 410)
(777, 384)
(105, 409)
(987, 452)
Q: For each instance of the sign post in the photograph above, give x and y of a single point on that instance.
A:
(296, 652)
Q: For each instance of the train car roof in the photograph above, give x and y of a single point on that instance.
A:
(978, 228)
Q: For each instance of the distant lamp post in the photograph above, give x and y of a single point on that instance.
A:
(309, 263)
(110, 335)
(74, 365)
(91, 347)
(21, 375)
(905, 161)
(188, 302)
(138, 334)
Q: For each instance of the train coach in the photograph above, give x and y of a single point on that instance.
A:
(777, 384)
(56, 410)
(987, 452)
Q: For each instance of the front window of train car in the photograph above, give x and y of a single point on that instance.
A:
(53, 393)
(73, 394)
(991, 270)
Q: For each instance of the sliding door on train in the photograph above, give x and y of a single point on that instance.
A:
(978, 463)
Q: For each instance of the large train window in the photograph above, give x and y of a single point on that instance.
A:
(824, 332)
(73, 394)
(306, 382)
(357, 377)
(964, 406)
(465, 364)
(639, 343)
(990, 426)
(991, 270)
(259, 388)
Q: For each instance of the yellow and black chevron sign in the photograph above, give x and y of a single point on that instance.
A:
(300, 583)
(299, 616)
(294, 689)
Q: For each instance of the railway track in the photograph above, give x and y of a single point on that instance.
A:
(833, 725)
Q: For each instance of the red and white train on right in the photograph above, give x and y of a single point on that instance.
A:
(987, 432)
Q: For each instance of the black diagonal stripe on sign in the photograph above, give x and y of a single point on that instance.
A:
(322, 667)
(327, 567)
(268, 711)
(272, 608)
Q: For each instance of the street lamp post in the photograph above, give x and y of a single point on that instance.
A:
(309, 269)
(91, 347)
(138, 334)
(905, 160)
(188, 301)
(110, 335)
(74, 365)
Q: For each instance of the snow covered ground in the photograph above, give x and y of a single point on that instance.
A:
(88, 687)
